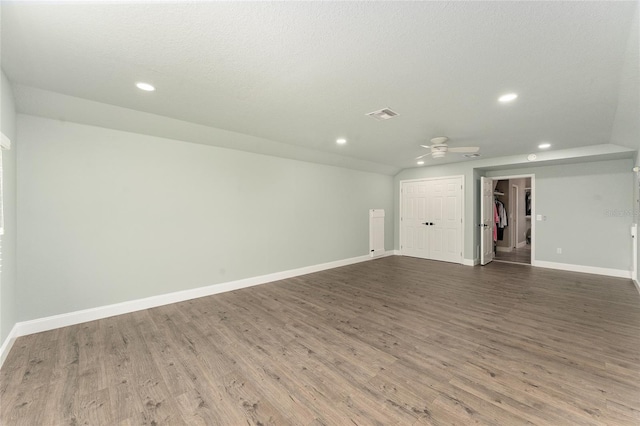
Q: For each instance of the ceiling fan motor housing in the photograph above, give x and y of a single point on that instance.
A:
(438, 151)
(439, 140)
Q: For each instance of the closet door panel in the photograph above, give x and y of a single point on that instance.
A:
(447, 198)
(431, 219)
(414, 213)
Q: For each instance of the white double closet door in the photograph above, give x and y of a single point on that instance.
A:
(431, 219)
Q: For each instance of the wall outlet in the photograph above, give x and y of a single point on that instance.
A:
(559, 250)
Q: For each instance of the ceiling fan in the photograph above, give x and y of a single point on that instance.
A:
(439, 148)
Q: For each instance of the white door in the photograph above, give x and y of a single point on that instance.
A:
(634, 261)
(445, 219)
(514, 216)
(413, 220)
(486, 221)
(431, 219)
(376, 232)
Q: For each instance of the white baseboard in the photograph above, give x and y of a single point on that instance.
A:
(467, 262)
(637, 285)
(63, 320)
(8, 344)
(386, 253)
(505, 249)
(521, 244)
(619, 273)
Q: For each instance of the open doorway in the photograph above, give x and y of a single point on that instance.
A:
(513, 200)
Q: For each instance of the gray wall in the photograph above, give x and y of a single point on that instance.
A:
(8, 302)
(585, 204)
(626, 126)
(108, 216)
(587, 207)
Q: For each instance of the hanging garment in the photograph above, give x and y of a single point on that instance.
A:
(501, 220)
(502, 214)
(496, 220)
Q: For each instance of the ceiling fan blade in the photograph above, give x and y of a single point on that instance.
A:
(425, 155)
(426, 146)
(465, 149)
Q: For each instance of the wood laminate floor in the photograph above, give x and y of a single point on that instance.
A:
(517, 255)
(392, 341)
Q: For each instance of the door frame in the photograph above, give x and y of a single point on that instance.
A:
(462, 212)
(634, 251)
(486, 230)
(533, 207)
(515, 208)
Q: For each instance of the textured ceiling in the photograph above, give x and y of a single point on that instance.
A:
(305, 73)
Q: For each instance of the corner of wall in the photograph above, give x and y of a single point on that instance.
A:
(8, 285)
(7, 344)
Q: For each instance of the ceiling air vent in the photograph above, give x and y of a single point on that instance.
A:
(383, 114)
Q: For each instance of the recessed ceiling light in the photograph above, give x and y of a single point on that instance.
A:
(544, 145)
(508, 97)
(145, 86)
(341, 141)
(420, 163)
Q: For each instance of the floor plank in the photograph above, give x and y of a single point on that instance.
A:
(392, 341)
